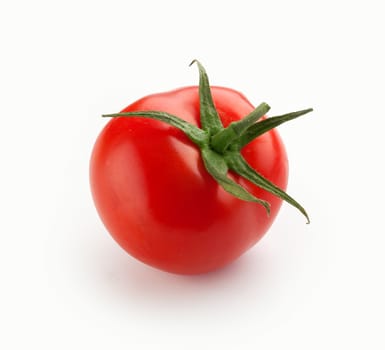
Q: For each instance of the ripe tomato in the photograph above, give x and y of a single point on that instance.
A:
(158, 201)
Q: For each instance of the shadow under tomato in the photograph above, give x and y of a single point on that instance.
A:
(129, 281)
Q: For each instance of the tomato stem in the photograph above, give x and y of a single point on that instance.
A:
(221, 140)
(220, 147)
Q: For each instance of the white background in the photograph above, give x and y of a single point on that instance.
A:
(65, 284)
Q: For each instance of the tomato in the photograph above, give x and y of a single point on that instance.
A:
(155, 196)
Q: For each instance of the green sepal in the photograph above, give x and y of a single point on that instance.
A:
(216, 165)
(209, 116)
(265, 125)
(196, 135)
(224, 138)
(238, 164)
(220, 147)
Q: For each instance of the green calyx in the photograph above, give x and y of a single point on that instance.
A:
(220, 147)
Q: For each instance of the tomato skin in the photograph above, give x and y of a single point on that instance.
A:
(156, 198)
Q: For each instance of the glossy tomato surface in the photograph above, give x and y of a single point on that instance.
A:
(156, 198)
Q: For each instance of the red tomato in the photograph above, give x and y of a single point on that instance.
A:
(158, 201)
